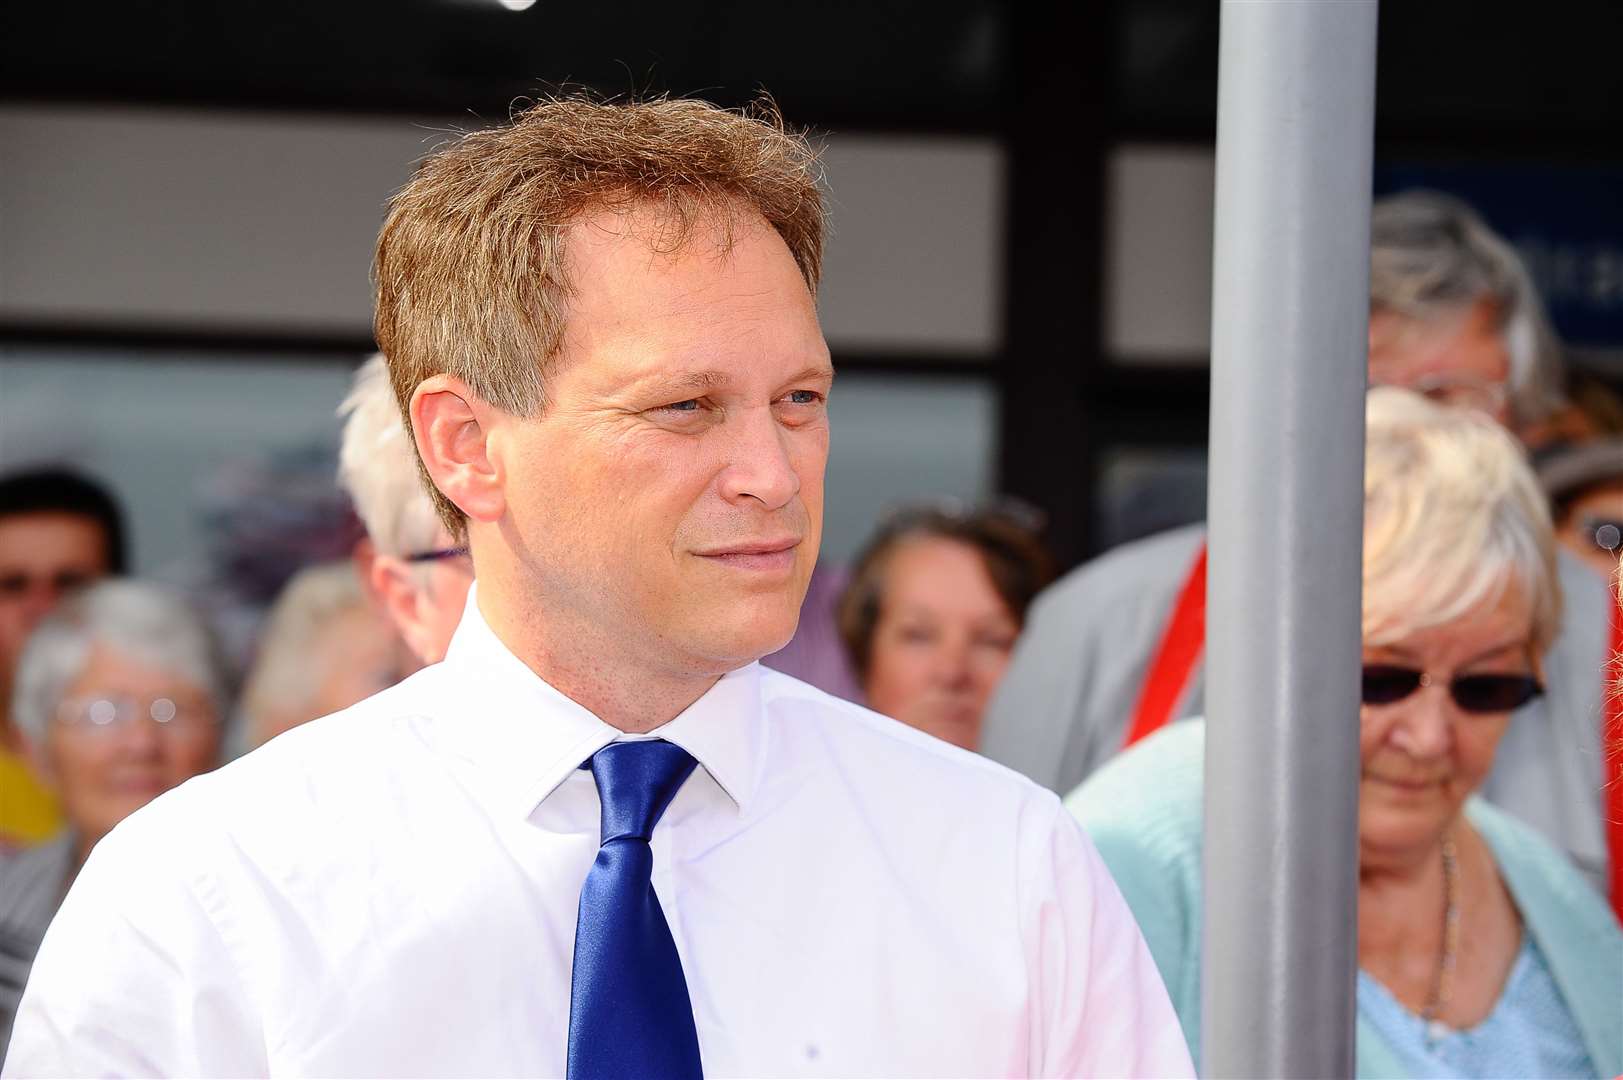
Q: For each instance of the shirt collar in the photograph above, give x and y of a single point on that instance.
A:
(528, 730)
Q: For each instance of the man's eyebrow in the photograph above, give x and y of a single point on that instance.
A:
(818, 372)
(698, 383)
(694, 383)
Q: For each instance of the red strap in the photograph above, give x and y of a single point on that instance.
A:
(1182, 643)
(1612, 756)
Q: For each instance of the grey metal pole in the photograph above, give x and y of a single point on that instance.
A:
(1296, 94)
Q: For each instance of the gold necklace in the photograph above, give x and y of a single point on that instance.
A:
(1442, 988)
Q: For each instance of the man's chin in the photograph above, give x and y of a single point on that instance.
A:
(730, 646)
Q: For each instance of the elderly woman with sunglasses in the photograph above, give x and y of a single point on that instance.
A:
(118, 696)
(1482, 951)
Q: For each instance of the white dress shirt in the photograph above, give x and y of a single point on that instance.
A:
(392, 891)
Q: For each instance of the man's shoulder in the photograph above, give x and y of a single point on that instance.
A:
(349, 740)
(907, 759)
(1150, 570)
(316, 773)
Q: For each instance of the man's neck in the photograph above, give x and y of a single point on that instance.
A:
(595, 673)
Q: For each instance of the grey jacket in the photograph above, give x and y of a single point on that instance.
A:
(32, 883)
(1064, 705)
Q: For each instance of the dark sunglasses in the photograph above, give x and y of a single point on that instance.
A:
(1385, 684)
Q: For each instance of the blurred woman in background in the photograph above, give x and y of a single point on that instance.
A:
(325, 646)
(1481, 949)
(932, 610)
(118, 697)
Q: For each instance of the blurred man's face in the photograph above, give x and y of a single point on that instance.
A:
(1592, 527)
(43, 557)
(1458, 359)
(667, 503)
(423, 597)
(442, 596)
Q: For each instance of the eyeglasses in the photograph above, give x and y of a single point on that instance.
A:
(18, 583)
(1605, 533)
(1462, 391)
(104, 714)
(437, 555)
(1386, 684)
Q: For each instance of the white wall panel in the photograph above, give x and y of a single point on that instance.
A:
(244, 222)
(1158, 256)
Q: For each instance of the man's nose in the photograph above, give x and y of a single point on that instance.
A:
(759, 465)
(38, 601)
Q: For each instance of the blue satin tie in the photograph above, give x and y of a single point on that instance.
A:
(629, 1013)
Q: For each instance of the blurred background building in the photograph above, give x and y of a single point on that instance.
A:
(1018, 280)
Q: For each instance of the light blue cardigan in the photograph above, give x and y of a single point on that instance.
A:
(1143, 810)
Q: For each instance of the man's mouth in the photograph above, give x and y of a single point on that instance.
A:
(770, 555)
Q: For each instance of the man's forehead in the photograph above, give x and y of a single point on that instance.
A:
(55, 519)
(662, 236)
(679, 310)
(1400, 335)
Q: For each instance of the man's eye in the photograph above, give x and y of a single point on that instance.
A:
(804, 397)
(690, 405)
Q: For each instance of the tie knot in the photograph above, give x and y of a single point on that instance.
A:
(636, 781)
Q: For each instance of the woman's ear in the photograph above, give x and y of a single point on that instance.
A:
(451, 425)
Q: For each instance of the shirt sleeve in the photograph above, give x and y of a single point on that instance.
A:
(1099, 1006)
(133, 977)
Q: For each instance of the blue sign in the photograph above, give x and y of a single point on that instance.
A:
(1567, 222)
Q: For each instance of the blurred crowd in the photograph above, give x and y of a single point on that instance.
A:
(1489, 740)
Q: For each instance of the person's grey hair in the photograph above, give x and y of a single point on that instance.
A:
(281, 670)
(147, 623)
(1453, 518)
(1432, 256)
(377, 466)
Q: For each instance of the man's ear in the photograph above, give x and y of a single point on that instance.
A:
(451, 425)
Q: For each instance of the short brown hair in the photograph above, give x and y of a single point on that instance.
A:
(470, 261)
(1006, 537)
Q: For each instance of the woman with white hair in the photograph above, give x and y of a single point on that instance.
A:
(118, 697)
(1481, 950)
(324, 646)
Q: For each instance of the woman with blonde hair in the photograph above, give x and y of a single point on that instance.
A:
(1481, 949)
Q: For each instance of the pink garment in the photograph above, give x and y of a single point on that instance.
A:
(815, 654)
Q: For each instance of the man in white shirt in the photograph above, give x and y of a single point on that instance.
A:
(599, 838)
